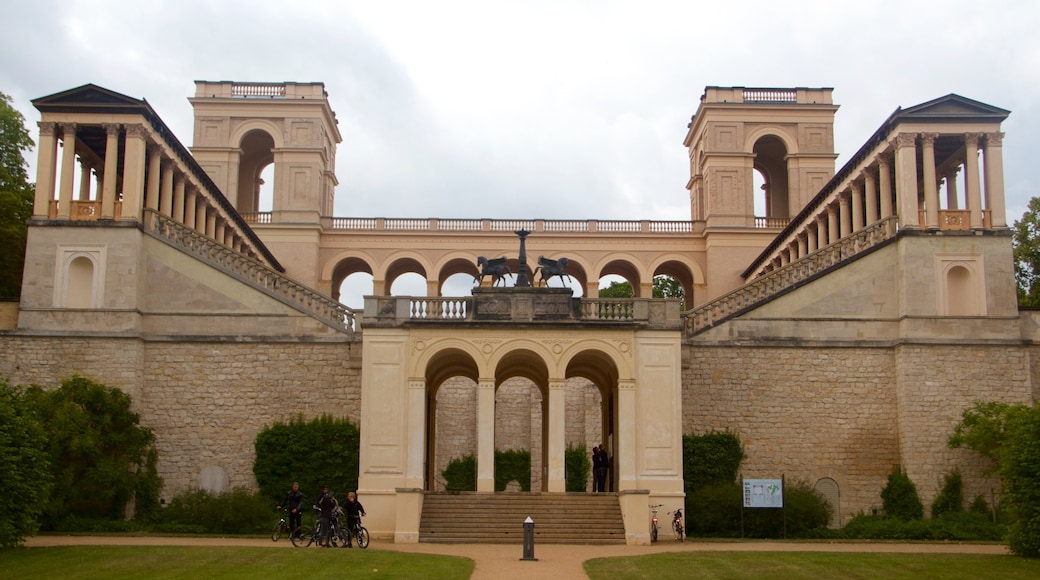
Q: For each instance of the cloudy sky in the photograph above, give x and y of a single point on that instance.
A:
(558, 109)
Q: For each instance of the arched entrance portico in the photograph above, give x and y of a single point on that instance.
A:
(530, 337)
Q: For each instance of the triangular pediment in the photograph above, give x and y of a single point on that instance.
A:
(954, 108)
(87, 97)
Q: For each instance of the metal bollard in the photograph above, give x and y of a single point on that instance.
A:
(529, 540)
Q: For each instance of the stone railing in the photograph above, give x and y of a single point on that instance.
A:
(769, 285)
(250, 271)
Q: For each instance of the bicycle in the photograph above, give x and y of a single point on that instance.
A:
(677, 526)
(282, 527)
(358, 532)
(338, 535)
(653, 522)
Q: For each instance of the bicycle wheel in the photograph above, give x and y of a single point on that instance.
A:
(678, 529)
(297, 537)
(362, 537)
(653, 534)
(277, 532)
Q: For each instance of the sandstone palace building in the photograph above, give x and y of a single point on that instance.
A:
(839, 334)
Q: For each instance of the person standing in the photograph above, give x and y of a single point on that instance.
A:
(294, 503)
(326, 504)
(599, 468)
(354, 510)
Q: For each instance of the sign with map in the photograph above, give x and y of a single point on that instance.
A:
(763, 493)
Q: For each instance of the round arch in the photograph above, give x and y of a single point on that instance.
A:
(627, 267)
(790, 141)
(272, 130)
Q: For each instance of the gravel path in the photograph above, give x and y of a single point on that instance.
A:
(554, 561)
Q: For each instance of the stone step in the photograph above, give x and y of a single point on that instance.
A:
(470, 517)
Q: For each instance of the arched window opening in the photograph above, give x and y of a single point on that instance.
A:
(761, 192)
(771, 162)
(457, 285)
(454, 432)
(518, 428)
(354, 288)
(408, 284)
(961, 298)
(265, 185)
(614, 286)
(80, 283)
(257, 154)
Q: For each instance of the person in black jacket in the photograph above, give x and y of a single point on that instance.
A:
(326, 504)
(354, 510)
(294, 503)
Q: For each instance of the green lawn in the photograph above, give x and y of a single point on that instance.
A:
(793, 565)
(224, 562)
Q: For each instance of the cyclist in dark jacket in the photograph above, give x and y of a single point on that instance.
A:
(354, 511)
(294, 503)
(326, 504)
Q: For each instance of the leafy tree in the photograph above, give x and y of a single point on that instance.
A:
(1020, 475)
(1026, 243)
(576, 465)
(461, 474)
(899, 497)
(617, 290)
(323, 451)
(711, 459)
(983, 429)
(16, 196)
(951, 497)
(25, 475)
(664, 287)
(101, 457)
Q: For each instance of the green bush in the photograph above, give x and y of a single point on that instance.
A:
(1020, 475)
(461, 474)
(805, 512)
(513, 464)
(899, 497)
(323, 451)
(25, 471)
(235, 512)
(951, 497)
(101, 457)
(951, 526)
(713, 511)
(577, 467)
(711, 459)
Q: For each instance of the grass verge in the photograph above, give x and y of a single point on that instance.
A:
(794, 565)
(88, 562)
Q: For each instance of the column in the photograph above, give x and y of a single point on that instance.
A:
(84, 181)
(177, 208)
(625, 461)
(952, 201)
(844, 213)
(885, 187)
(134, 160)
(971, 179)
(108, 191)
(200, 214)
(906, 180)
(232, 181)
(151, 199)
(811, 244)
(993, 162)
(46, 156)
(416, 433)
(486, 434)
(803, 245)
(166, 188)
(211, 222)
(557, 439)
(68, 168)
(870, 192)
(931, 184)
(189, 208)
(833, 233)
(857, 206)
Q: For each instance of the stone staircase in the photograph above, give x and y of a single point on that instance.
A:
(486, 518)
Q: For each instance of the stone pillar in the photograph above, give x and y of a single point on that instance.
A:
(951, 190)
(232, 180)
(557, 436)
(155, 162)
(189, 208)
(108, 192)
(811, 244)
(971, 179)
(993, 162)
(857, 206)
(486, 435)
(885, 187)
(833, 233)
(870, 193)
(46, 167)
(625, 462)
(201, 206)
(166, 188)
(844, 213)
(906, 180)
(177, 206)
(803, 245)
(212, 214)
(133, 172)
(931, 184)
(416, 433)
(84, 181)
(68, 168)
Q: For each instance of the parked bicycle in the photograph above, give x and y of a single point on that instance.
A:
(338, 535)
(677, 525)
(282, 527)
(653, 521)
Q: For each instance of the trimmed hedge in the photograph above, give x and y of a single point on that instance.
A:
(323, 451)
(577, 467)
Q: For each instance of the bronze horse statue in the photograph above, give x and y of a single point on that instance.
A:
(495, 267)
(549, 268)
